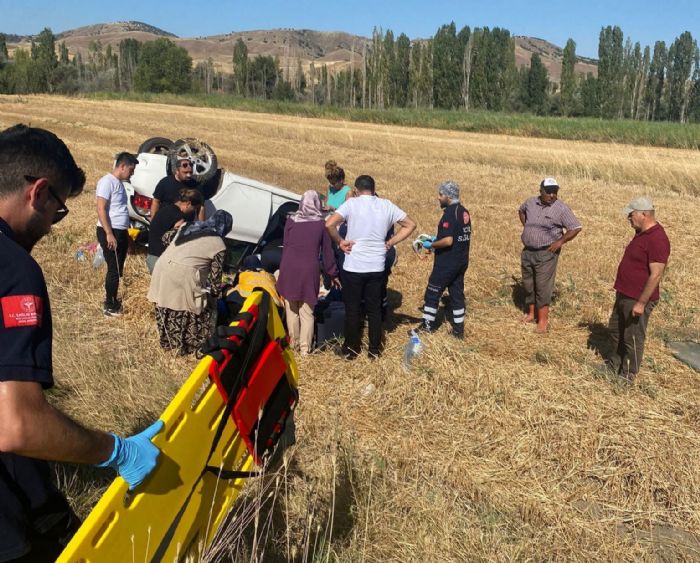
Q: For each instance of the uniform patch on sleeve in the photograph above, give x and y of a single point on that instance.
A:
(21, 310)
(445, 225)
(465, 217)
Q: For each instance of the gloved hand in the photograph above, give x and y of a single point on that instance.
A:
(428, 244)
(135, 457)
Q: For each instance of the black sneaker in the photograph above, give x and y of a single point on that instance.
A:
(113, 310)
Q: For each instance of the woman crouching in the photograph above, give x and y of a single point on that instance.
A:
(186, 282)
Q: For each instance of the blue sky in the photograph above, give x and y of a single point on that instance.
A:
(640, 20)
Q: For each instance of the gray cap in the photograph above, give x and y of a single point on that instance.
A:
(638, 204)
(450, 189)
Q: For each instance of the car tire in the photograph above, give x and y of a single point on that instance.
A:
(156, 145)
(204, 161)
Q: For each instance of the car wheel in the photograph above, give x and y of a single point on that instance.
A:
(156, 145)
(204, 162)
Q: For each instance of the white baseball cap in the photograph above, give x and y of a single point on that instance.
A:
(549, 183)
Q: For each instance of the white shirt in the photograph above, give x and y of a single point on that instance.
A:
(111, 188)
(369, 218)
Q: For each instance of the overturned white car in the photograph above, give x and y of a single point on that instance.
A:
(252, 204)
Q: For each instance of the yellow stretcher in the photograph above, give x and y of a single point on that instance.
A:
(131, 527)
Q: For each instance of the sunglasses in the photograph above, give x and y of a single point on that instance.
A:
(62, 211)
(185, 164)
(550, 189)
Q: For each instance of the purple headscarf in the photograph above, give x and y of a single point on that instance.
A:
(309, 208)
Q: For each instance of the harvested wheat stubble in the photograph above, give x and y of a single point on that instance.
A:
(508, 446)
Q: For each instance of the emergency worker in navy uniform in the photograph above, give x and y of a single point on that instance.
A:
(37, 174)
(451, 247)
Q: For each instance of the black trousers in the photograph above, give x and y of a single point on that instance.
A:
(362, 289)
(115, 262)
(450, 277)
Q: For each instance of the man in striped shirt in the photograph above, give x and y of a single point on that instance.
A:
(547, 225)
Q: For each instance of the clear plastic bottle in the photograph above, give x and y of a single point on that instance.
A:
(413, 348)
(99, 258)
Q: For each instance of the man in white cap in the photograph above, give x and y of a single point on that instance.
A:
(548, 224)
(637, 287)
(451, 247)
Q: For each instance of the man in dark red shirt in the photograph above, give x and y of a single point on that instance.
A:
(637, 287)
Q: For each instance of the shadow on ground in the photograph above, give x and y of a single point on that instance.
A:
(598, 339)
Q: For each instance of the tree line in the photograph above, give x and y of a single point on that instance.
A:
(455, 69)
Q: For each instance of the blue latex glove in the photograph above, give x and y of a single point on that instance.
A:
(135, 457)
(427, 244)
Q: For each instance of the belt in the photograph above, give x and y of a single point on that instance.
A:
(533, 249)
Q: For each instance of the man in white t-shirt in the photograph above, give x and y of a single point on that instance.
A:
(368, 218)
(113, 225)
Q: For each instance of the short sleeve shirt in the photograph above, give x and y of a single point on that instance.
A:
(368, 218)
(168, 189)
(456, 223)
(25, 355)
(164, 220)
(544, 224)
(633, 272)
(112, 189)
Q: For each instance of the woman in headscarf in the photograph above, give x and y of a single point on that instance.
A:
(305, 239)
(186, 282)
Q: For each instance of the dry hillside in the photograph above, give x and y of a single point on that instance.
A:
(507, 446)
(335, 49)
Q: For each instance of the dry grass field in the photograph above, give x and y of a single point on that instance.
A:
(508, 446)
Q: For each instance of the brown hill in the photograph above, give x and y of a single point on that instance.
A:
(336, 49)
(551, 56)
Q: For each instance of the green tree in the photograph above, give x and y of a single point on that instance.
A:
(44, 62)
(589, 96)
(568, 78)
(4, 57)
(537, 84)
(682, 55)
(129, 50)
(610, 71)
(653, 94)
(163, 67)
(240, 68)
(447, 68)
(400, 70)
(263, 74)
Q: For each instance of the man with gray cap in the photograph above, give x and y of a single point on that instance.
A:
(637, 287)
(451, 247)
(547, 225)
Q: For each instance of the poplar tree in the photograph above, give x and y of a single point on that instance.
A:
(537, 83)
(400, 72)
(610, 71)
(568, 78)
(447, 68)
(683, 53)
(4, 57)
(240, 68)
(128, 60)
(655, 83)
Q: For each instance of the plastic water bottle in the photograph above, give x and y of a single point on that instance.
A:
(99, 258)
(413, 348)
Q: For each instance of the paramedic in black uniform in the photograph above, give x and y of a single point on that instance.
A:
(37, 174)
(451, 246)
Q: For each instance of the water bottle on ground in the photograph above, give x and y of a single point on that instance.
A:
(413, 348)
